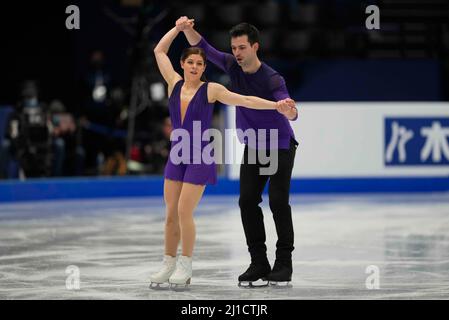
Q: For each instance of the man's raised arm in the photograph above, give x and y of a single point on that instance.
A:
(220, 59)
(186, 25)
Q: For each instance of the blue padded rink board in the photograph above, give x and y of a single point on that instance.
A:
(117, 242)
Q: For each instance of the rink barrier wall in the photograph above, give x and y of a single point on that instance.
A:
(361, 139)
(113, 187)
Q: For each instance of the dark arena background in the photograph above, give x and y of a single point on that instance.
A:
(85, 136)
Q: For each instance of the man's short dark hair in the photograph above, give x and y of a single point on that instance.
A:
(245, 29)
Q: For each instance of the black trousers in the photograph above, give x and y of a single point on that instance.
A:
(252, 184)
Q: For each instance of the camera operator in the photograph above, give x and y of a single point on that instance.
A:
(28, 133)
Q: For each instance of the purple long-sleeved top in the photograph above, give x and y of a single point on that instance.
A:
(264, 83)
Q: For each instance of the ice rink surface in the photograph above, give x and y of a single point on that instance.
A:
(344, 246)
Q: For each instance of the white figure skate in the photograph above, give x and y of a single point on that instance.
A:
(183, 273)
(161, 277)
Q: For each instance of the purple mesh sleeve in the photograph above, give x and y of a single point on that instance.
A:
(220, 59)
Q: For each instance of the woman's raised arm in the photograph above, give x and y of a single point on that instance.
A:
(163, 62)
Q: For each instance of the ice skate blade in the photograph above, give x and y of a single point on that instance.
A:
(280, 284)
(253, 284)
(180, 286)
(159, 286)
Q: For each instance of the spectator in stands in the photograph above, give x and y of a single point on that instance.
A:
(5, 144)
(68, 154)
(97, 119)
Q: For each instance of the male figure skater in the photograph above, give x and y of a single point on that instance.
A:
(250, 76)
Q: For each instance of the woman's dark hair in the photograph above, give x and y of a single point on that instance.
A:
(245, 29)
(194, 50)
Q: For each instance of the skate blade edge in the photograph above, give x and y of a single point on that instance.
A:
(159, 286)
(280, 284)
(253, 284)
(180, 286)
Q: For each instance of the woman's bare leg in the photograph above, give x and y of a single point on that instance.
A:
(190, 197)
(172, 191)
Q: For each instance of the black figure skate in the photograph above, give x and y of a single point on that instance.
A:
(255, 276)
(281, 275)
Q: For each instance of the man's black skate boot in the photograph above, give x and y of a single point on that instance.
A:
(255, 275)
(281, 275)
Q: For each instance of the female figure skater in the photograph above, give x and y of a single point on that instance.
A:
(190, 100)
